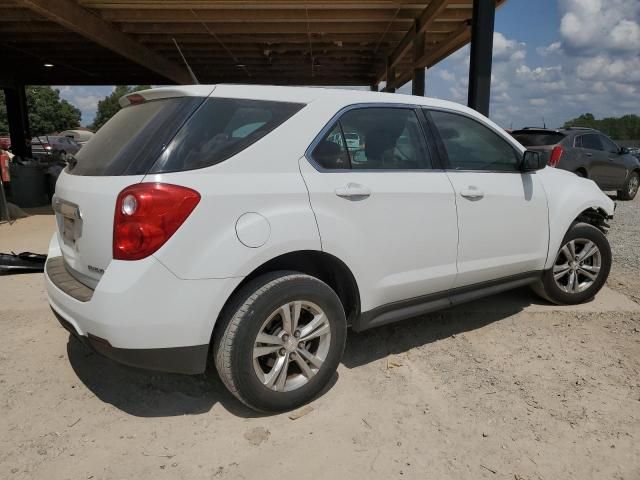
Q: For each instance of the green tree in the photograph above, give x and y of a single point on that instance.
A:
(626, 127)
(47, 112)
(110, 105)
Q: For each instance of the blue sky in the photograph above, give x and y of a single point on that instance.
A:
(553, 59)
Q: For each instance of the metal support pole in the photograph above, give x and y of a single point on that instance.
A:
(482, 25)
(16, 102)
(418, 80)
(391, 77)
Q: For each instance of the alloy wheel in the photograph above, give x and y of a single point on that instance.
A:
(577, 265)
(634, 183)
(291, 346)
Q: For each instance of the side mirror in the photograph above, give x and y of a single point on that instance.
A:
(623, 151)
(532, 161)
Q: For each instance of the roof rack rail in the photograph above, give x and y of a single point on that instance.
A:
(580, 128)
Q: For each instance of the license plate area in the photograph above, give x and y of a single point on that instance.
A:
(69, 230)
(69, 220)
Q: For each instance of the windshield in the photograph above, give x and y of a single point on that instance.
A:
(131, 141)
(538, 139)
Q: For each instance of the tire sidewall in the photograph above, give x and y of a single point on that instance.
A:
(299, 287)
(589, 232)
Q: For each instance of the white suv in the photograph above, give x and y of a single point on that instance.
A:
(233, 223)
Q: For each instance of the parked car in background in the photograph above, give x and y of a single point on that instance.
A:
(183, 243)
(53, 146)
(5, 142)
(587, 153)
(353, 140)
(79, 136)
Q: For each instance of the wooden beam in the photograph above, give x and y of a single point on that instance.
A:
(258, 14)
(269, 28)
(72, 16)
(428, 16)
(441, 50)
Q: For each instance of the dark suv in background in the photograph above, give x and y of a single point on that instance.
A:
(587, 153)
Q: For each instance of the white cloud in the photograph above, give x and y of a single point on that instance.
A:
(537, 102)
(555, 47)
(596, 24)
(447, 75)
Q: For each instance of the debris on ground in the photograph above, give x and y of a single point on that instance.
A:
(301, 412)
(25, 262)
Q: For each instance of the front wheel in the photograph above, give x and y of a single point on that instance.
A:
(630, 188)
(281, 341)
(581, 267)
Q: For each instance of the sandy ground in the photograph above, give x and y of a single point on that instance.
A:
(504, 388)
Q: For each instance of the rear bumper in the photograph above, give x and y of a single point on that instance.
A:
(188, 360)
(142, 315)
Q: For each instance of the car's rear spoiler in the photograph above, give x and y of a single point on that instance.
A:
(166, 92)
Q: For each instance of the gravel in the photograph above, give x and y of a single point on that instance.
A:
(625, 244)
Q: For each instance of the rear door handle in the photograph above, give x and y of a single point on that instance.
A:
(589, 154)
(353, 191)
(472, 193)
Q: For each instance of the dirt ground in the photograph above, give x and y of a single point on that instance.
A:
(504, 388)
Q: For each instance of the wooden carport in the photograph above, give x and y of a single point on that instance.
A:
(310, 42)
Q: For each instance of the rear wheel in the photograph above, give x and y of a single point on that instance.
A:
(581, 267)
(630, 188)
(281, 342)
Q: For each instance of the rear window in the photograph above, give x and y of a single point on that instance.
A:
(131, 141)
(221, 128)
(538, 139)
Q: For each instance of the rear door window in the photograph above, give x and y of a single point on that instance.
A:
(591, 142)
(375, 138)
(221, 128)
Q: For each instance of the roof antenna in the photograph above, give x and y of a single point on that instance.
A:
(544, 124)
(193, 75)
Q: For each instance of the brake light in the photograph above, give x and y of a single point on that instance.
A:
(147, 215)
(135, 98)
(556, 154)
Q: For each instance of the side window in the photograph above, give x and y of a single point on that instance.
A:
(578, 142)
(472, 146)
(608, 145)
(375, 139)
(331, 153)
(385, 139)
(592, 142)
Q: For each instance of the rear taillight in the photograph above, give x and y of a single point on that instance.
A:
(556, 154)
(146, 216)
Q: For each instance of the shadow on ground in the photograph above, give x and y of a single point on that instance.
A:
(151, 394)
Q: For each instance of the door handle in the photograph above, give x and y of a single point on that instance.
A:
(589, 154)
(353, 191)
(472, 193)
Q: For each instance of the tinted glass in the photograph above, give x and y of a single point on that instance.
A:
(472, 146)
(384, 139)
(331, 153)
(221, 128)
(578, 142)
(608, 145)
(592, 142)
(130, 142)
(538, 139)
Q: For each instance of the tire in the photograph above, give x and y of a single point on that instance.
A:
(257, 308)
(562, 291)
(630, 189)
